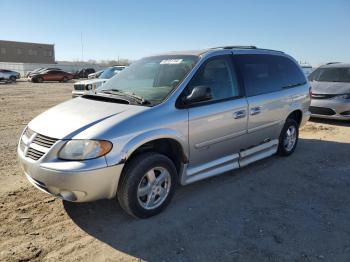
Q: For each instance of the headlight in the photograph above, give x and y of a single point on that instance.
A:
(88, 87)
(84, 149)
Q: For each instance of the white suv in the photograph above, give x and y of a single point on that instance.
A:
(90, 85)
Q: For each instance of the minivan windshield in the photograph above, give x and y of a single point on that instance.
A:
(335, 74)
(151, 78)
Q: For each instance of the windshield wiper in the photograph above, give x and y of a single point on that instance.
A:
(139, 99)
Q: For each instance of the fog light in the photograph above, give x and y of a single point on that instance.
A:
(68, 195)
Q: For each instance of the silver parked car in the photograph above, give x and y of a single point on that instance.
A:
(167, 119)
(9, 75)
(330, 97)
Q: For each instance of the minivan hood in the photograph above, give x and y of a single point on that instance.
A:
(75, 116)
(330, 87)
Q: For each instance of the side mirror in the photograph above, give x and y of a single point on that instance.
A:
(198, 94)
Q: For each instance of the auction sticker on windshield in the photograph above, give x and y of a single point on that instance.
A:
(171, 61)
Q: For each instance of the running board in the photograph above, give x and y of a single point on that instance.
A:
(228, 163)
(210, 169)
(258, 152)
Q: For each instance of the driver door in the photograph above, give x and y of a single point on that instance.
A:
(218, 127)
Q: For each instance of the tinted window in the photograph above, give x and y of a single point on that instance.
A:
(218, 75)
(290, 73)
(268, 73)
(107, 74)
(336, 74)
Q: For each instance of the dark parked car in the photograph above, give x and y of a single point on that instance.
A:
(83, 73)
(50, 75)
(9, 75)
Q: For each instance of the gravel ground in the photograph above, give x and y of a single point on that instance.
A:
(279, 209)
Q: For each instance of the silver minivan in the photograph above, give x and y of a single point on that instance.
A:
(330, 91)
(168, 119)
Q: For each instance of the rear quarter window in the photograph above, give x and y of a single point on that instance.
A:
(263, 74)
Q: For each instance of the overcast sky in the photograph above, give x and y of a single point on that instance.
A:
(312, 31)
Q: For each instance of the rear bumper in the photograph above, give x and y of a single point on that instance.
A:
(330, 108)
(75, 186)
(306, 117)
(335, 117)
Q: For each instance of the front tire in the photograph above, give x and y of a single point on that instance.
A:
(13, 79)
(147, 185)
(289, 137)
(39, 80)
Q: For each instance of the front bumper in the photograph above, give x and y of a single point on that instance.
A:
(72, 185)
(77, 93)
(330, 108)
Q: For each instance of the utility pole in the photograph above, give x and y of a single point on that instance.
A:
(82, 46)
(82, 52)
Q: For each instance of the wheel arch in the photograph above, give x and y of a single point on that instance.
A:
(167, 143)
(297, 115)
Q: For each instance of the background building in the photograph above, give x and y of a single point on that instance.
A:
(22, 52)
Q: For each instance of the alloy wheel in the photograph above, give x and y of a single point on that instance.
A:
(290, 138)
(154, 188)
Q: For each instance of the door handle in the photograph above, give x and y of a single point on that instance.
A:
(255, 110)
(239, 114)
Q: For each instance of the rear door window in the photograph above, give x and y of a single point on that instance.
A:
(268, 73)
(290, 73)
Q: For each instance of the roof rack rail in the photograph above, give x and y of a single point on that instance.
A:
(330, 63)
(264, 49)
(245, 47)
(236, 47)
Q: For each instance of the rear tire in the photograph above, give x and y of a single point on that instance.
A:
(147, 185)
(65, 79)
(289, 137)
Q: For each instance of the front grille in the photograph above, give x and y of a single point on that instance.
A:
(322, 96)
(44, 141)
(38, 184)
(345, 113)
(34, 154)
(321, 111)
(79, 87)
(30, 139)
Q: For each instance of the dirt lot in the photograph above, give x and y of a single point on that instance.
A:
(279, 209)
